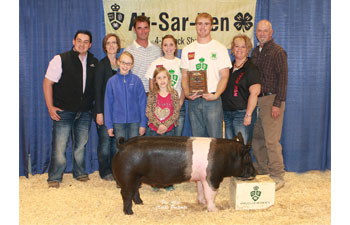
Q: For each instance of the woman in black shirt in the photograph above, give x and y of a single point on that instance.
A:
(105, 69)
(241, 94)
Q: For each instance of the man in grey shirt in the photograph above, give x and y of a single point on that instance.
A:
(142, 49)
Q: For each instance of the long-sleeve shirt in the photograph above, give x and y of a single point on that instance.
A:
(273, 69)
(151, 109)
(103, 72)
(125, 100)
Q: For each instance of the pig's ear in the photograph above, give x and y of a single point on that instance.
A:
(120, 141)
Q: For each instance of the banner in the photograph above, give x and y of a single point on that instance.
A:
(230, 17)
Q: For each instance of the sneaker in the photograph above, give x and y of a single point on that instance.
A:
(155, 189)
(261, 172)
(109, 177)
(279, 182)
(54, 184)
(170, 188)
(83, 178)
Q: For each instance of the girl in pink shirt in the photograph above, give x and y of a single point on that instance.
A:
(163, 107)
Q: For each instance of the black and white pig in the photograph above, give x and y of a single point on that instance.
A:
(162, 161)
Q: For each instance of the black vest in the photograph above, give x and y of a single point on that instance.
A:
(68, 92)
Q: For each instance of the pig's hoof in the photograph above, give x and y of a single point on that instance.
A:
(138, 201)
(128, 212)
(201, 201)
(212, 209)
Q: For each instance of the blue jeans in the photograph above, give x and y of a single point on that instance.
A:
(105, 151)
(206, 117)
(126, 130)
(169, 133)
(72, 124)
(234, 124)
(180, 123)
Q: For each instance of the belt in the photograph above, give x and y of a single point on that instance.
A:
(265, 94)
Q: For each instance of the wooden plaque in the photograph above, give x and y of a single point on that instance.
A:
(197, 82)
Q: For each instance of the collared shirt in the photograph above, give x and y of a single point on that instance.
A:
(143, 57)
(273, 69)
(54, 70)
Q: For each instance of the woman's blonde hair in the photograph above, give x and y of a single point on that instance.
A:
(157, 71)
(246, 39)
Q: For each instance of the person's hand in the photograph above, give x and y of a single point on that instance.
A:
(247, 120)
(142, 131)
(53, 113)
(194, 96)
(162, 129)
(99, 119)
(110, 132)
(276, 112)
(209, 97)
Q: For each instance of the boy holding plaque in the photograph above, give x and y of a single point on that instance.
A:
(212, 58)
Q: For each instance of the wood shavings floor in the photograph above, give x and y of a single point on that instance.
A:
(305, 199)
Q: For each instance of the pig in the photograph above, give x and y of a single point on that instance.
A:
(163, 161)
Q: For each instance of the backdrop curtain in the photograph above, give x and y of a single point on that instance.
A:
(301, 27)
(47, 28)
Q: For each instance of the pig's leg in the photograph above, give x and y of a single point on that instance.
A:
(127, 195)
(137, 198)
(209, 196)
(200, 193)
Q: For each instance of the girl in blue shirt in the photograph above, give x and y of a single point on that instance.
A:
(125, 101)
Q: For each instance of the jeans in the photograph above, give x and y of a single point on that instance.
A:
(126, 130)
(234, 124)
(169, 133)
(206, 117)
(180, 123)
(74, 124)
(105, 151)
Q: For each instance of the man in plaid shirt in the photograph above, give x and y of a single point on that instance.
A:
(271, 60)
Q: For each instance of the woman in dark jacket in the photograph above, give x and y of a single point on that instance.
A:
(105, 69)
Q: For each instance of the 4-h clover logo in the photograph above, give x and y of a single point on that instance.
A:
(255, 194)
(174, 77)
(115, 17)
(201, 65)
(213, 55)
(243, 21)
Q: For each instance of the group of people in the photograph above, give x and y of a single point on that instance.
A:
(143, 93)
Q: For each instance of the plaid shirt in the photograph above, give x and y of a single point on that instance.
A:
(273, 70)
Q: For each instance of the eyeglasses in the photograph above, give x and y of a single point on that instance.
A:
(125, 63)
(111, 43)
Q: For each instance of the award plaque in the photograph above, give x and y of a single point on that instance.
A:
(197, 82)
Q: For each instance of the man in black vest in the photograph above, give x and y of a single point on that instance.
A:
(69, 95)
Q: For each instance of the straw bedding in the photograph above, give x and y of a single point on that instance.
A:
(305, 199)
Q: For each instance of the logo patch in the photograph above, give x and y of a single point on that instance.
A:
(174, 77)
(201, 65)
(255, 195)
(213, 55)
(115, 17)
(190, 55)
